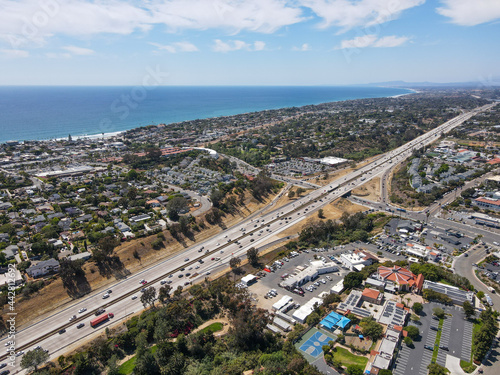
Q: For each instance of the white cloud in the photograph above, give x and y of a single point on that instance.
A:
(236, 45)
(259, 45)
(15, 53)
(176, 47)
(304, 47)
(359, 42)
(348, 14)
(391, 41)
(372, 41)
(264, 16)
(470, 13)
(32, 22)
(79, 50)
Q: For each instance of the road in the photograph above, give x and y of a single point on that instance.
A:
(235, 241)
(463, 267)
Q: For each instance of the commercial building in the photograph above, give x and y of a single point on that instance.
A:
(357, 260)
(383, 358)
(394, 313)
(301, 314)
(353, 304)
(487, 203)
(248, 279)
(304, 275)
(457, 295)
(285, 300)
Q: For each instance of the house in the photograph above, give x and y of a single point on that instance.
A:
(42, 268)
(139, 218)
(10, 252)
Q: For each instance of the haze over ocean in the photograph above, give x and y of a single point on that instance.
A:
(40, 113)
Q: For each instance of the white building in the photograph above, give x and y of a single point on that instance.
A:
(301, 314)
(304, 275)
(248, 279)
(285, 300)
(357, 260)
(43, 268)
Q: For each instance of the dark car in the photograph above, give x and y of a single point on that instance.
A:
(434, 328)
(61, 331)
(3, 365)
(443, 347)
(5, 372)
(81, 325)
(99, 311)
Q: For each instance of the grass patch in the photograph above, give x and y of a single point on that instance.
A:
(128, 366)
(443, 281)
(475, 329)
(347, 358)
(214, 327)
(438, 340)
(468, 367)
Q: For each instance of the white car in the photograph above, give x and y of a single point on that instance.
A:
(82, 310)
(105, 296)
(134, 297)
(207, 273)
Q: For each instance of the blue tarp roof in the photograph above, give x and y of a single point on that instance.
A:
(334, 319)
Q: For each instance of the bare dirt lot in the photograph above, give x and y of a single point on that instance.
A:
(370, 190)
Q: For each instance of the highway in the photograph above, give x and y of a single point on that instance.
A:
(235, 241)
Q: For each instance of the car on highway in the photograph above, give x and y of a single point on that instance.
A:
(134, 297)
(5, 372)
(99, 311)
(82, 310)
(61, 331)
(186, 260)
(105, 296)
(3, 365)
(81, 325)
(72, 318)
(20, 353)
(181, 275)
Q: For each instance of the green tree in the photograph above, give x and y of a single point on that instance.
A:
(435, 369)
(253, 256)
(413, 332)
(291, 194)
(354, 370)
(353, 280)
(417, 307)
(371, 328)
(468, 309)
(148, 297)
(34, 358)
(480, 294)
(321, 213)
(164, 294)
(300, 191)
(408, 341)
(439, 312)
(234, 263)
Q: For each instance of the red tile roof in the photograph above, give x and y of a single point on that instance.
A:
(371, 293)
(397, 274)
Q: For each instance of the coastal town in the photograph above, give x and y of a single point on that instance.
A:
(335, 238)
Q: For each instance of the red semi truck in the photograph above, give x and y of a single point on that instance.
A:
(101, 319)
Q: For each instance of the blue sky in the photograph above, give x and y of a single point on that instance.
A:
(251, 42)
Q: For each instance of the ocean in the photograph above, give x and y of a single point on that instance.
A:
(41, 113)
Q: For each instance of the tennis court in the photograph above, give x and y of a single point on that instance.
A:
(313, 345)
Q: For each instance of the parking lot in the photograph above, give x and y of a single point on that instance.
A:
(456, 336)
(272, 279)
(430, 234)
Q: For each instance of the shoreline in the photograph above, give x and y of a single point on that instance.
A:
(118, 133)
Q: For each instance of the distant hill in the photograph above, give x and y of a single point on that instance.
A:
(493, 82)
